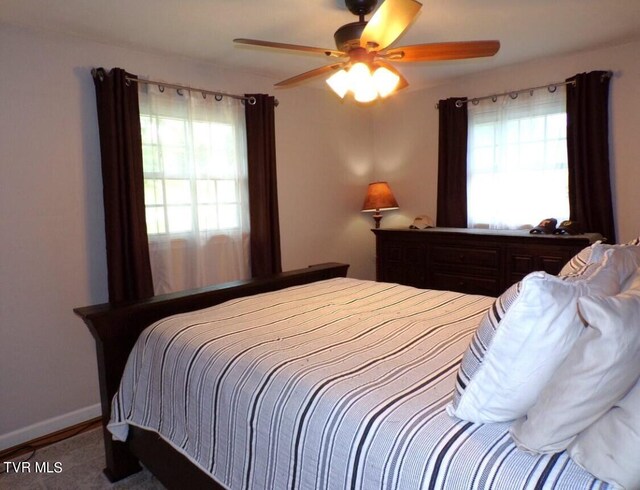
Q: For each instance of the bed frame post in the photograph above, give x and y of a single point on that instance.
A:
(116, 328)
(121, 463)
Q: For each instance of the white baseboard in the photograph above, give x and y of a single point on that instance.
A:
(49, 426)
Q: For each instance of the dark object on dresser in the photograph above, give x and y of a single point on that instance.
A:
(470, 260)
(116, 328)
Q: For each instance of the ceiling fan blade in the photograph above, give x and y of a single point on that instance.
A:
(388, 22)
(442, 51)
(309, 74)
(402, 83)
(293, 47)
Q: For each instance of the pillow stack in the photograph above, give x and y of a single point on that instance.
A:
(602, 367)
(522, 340)
(561, 357)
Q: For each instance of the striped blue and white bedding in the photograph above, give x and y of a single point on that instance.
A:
(339, 384)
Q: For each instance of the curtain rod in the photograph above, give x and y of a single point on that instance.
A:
(551, 87)
(218, 95)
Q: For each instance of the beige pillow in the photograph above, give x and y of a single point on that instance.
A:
(600, 369)
(610, 448)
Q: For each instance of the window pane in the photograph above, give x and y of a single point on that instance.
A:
(556, 154)
(207, 217)
(532, 155)
(484, 135)
(227, 191)
(206, 191)
(171, 132)
(150, 159)
(224, 149)
(153, 193)
(155, 220)
(557, 126)
(229, 217)
(174, 161)
(148, 130)
(179, 219)
(484, 158)
(532, 129)
(178, 191)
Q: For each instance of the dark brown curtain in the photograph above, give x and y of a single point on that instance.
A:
(263, 191)
(129, 270)
(452, 163)
(590, 200)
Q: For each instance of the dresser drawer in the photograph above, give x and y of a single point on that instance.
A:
(488, 286)
(404, 253)
(476, 257)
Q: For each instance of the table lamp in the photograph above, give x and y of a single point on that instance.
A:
(379, 198)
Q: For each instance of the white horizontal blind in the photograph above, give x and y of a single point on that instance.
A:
(195, 183)
(517, 161)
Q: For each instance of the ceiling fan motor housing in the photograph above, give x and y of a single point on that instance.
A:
(347, 37)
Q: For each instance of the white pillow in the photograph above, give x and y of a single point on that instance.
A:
(610, 448)
(601, 368)
(578, 261)
(589, 255)
(520, 342)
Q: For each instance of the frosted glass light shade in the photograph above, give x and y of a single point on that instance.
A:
(339, 83)
(385, 81)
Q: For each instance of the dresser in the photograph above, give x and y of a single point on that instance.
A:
(470, 260)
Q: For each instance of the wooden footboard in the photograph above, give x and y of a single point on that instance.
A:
(116, 328)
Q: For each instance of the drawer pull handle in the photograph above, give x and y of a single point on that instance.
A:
(461, 256)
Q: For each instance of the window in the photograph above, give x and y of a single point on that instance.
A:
(190, 175)
(517, 161)
(195, 185)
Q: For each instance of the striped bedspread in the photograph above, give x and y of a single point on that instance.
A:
(339, 384)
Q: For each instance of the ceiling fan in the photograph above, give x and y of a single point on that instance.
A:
(364, 51)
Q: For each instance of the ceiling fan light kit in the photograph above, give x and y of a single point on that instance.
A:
(364, 51)
(362, 83)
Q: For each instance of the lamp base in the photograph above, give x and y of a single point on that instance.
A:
(377, 218)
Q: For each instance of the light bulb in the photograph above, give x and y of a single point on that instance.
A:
(339, 83)
(366, 92)
(361, 83)
(359, 75)
(385, 81)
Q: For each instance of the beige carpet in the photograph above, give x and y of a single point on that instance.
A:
(81, 459)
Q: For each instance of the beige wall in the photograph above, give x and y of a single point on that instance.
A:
(52, 252)
(406, 129)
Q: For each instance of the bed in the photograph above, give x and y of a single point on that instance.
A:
(305, 380)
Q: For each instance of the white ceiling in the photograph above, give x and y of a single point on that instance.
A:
(204, 29)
